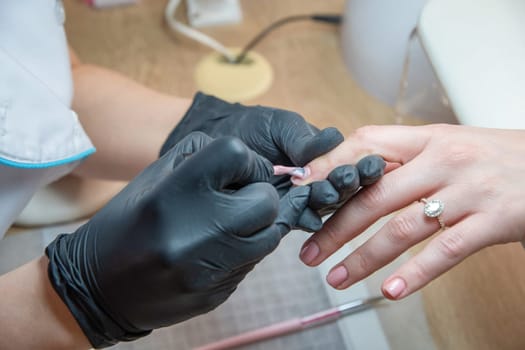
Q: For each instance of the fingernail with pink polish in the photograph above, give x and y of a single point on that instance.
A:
(309, 253)
(337, 276)
(395, 287)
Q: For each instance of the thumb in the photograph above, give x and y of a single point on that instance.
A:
(251, 249)
(252, 208)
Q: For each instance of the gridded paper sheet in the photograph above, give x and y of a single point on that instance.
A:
(279, 288)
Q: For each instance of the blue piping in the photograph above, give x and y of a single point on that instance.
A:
(48, 164)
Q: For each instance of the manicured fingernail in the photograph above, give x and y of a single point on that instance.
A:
(309, 253)
(395, 287)
(301, 178)
(337, 276)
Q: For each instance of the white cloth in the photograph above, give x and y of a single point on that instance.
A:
(41, 138)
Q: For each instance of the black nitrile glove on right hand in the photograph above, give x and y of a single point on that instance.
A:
(175, 242)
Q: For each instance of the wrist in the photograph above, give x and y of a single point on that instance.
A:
(66, 325)
(29, 305)
(72, 277)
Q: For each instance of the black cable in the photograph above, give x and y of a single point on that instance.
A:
(328, 18)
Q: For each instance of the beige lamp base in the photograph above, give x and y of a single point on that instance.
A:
(239, 82)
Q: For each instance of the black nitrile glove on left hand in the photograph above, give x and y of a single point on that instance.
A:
(342, 184)
(175, 242)
(283, 137)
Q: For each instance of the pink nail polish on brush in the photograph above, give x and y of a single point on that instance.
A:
(297, 172)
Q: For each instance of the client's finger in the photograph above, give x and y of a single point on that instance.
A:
(394, 191)
(396, 144)
(404, 230)
(444, 252)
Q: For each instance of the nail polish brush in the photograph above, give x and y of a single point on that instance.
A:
(293, 325)
(298, 172)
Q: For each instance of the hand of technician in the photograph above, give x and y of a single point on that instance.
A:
(341, 184)
(478, 175)
(175, 242)
(281, 136)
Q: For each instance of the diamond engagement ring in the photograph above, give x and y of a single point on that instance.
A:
(433, 209)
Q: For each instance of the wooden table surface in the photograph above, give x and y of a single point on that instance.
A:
(478, 305)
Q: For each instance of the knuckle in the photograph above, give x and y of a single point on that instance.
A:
(400, 229)
(334, 235)
(362, 261)
(364, 132)
(451, 245)
(490, 188)
(195, 141)
(371, 197)
(234, 149)
(151, 208)
(420, 271)
(269, 205)
(459, 154)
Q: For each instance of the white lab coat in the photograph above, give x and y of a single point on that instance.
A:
(41, 138)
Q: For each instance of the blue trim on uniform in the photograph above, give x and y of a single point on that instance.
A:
(48, 164)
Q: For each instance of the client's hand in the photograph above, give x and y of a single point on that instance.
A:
(175, 242)
(476, 173)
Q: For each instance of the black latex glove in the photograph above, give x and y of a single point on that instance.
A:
(175, 242)
(283, 137)
(341, 184)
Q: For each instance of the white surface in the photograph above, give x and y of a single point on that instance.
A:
(375, 37)
(363, 330)
(392, 325)
(203, 13)
(477, 48)
(360, 331)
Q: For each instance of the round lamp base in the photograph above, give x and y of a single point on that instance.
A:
(234, 82)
